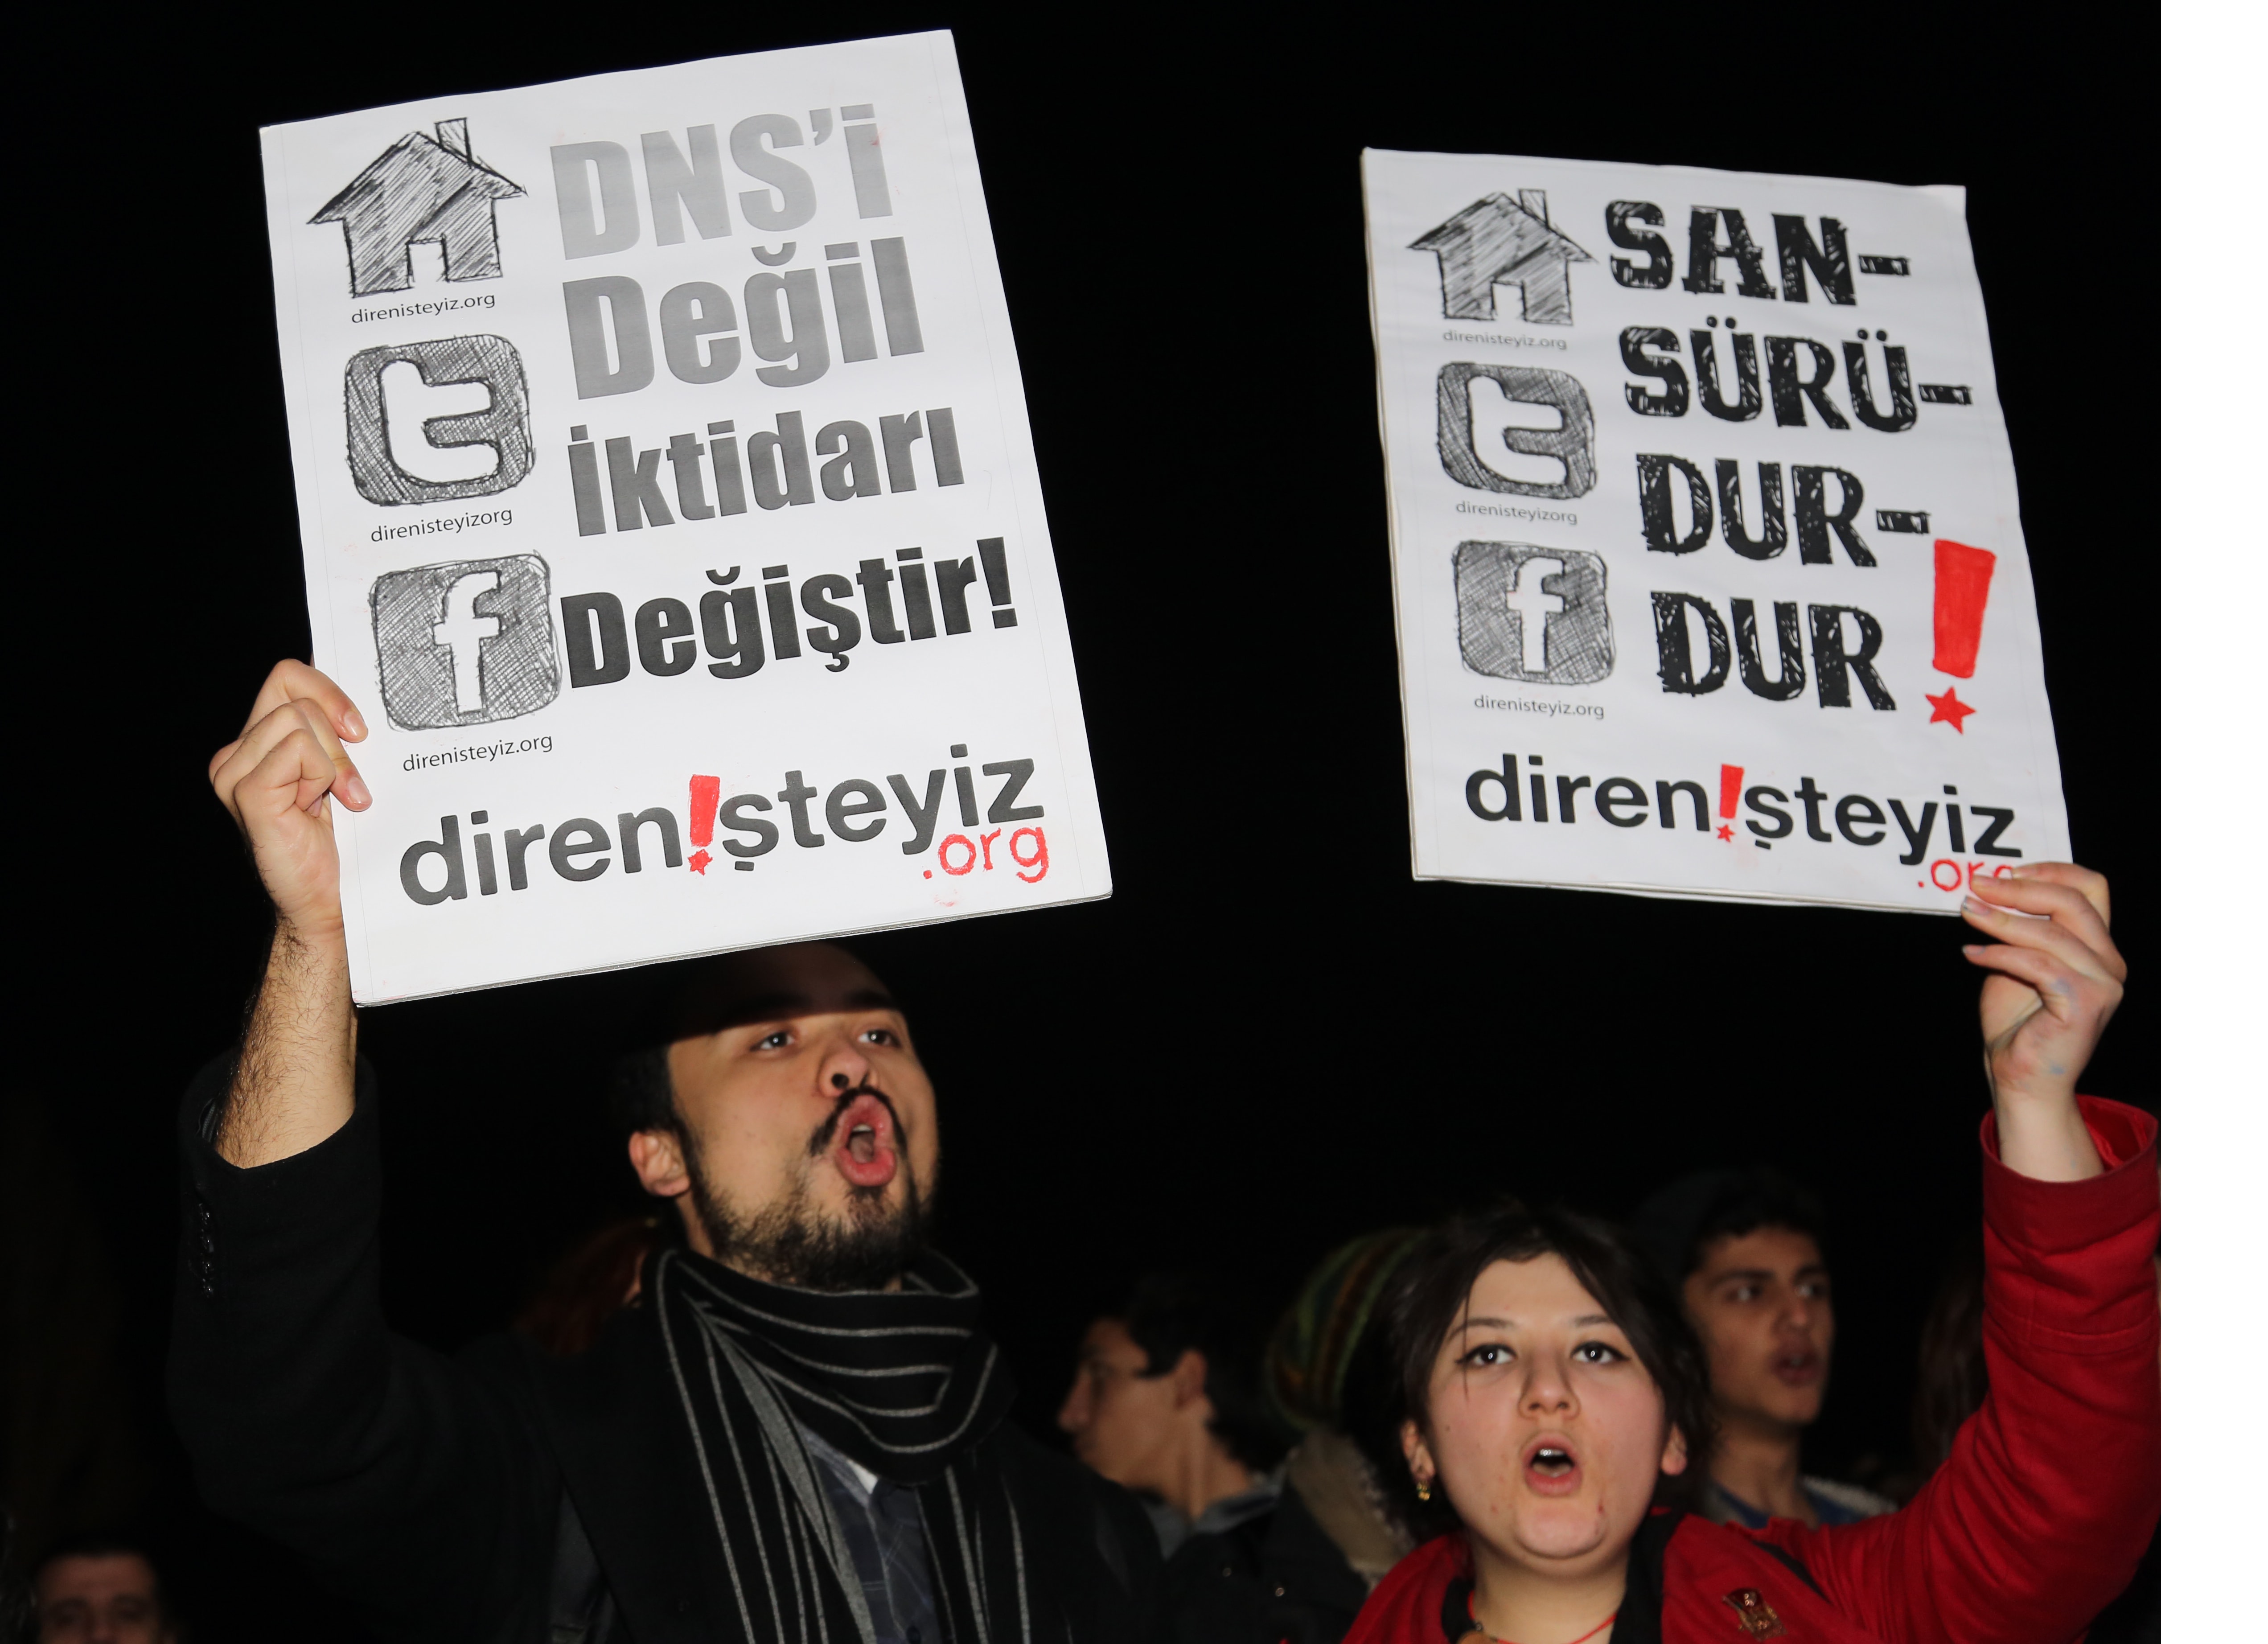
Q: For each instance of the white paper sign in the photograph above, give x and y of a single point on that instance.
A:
(1707, 570)
(669, 507)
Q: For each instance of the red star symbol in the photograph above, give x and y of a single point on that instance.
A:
(1949, 708)
(1726, 833)
(699, 863)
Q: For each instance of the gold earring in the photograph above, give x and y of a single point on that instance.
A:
(1425, 1491)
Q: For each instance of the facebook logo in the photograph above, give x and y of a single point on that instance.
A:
(1533, 614)
(465, 642)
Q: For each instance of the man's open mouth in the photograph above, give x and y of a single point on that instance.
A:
(865, 1141)
(1797, 1369)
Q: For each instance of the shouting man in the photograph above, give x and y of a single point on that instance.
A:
(798, 1431)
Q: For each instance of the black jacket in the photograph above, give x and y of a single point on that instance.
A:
(1275, 1579)
(450, 1498)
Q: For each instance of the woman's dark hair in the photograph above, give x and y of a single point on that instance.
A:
(1435, 1284)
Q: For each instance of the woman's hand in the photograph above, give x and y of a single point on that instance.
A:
(2058, 980)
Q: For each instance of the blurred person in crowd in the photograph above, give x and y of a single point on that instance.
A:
(93, 1590)
(1949, 1369)
(596, 1280)
(1560, 1412)
(1745, 1252)
(797, 1434)
(1328, 1376)
(15, 1587)
(71, 1458)
(1163, 1402)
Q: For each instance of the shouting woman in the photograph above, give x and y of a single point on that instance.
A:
(1560, 1406)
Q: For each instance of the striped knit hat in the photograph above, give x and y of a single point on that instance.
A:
(1305, 1372)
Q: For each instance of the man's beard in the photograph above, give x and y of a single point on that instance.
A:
(790, 1242)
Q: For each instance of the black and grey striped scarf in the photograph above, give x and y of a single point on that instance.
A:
(904, 1383)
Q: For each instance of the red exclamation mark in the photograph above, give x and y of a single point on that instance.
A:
(1728, 798)
(703, 792)
(1964, 577)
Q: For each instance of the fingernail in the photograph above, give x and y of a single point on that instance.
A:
(1970, 905)
(355, 728)
(2024, 871)
(358, 792)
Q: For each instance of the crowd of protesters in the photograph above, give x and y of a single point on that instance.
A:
(768, 1409)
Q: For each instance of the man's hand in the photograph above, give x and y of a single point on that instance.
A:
(273, 778)
(2058, 981)
(294, 1083)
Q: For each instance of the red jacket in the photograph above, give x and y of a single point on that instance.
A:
(2032, 1525)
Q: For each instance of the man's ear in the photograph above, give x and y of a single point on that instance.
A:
(1188, 1374)
(659, 1158)
(1415, 1451)
(1674, 1456)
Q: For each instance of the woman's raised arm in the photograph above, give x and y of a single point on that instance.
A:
(2039, 1515)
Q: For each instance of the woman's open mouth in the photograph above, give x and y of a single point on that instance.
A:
(1551, 1466)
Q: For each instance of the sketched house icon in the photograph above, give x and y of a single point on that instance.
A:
(422, 191)
(1498, 240)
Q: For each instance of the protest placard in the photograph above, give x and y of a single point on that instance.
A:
(668, 503)
(1707, 570)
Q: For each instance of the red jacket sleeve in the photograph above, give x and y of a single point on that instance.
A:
(2038, 1519)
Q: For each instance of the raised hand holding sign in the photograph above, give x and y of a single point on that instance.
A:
(2057, 981)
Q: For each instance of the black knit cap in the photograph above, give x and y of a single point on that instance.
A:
(652, 1007)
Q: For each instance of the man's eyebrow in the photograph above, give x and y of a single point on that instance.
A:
(770, 1006)
(778, 1006)
(1749, 1273)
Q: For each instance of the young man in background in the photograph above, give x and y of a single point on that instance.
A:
(94, 1590)
(1166, 1403)
(1744, 1251)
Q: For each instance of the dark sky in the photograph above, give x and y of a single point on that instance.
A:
(1271, 1038)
